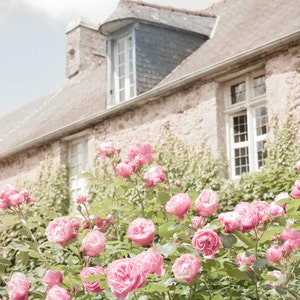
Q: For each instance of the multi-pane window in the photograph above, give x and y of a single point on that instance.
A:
(123, 82)
(247, 124)
(78, 162)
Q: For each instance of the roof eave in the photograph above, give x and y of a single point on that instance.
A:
(154, 94)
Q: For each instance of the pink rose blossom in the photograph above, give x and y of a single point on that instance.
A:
(140, 153)
(18, 287)
(274, 253)
(151, 262)
(231, 221)
(5, 194)
(281, 196)
(124, 276)
(248, 215)
(263, 210)
(124, 169)
(296, 190)
(154, 175)
(91, 286)
(93, 243)
(291, 234)
(206, 241)
(16, 199)
(245, 261)
(106, 149)
(178, 205)
(186, 267)
(141, 231)
(276, 210)
(60, 231)
(52, 278)
(280, 278)
(81, 198)
(288, 246)
(58, 293)
(197, 222)
(207, 203)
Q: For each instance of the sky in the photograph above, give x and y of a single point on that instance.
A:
(32, 42)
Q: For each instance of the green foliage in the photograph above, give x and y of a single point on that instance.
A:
(51, 190)
(26, 249)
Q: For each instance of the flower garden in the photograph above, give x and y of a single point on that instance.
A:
(145, 232)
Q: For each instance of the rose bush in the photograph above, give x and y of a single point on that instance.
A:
(155, 240)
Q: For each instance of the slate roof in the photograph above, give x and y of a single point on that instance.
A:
(129, 11)
(242, 26)
(79, 99)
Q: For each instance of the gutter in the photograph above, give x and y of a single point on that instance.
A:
(153, 94)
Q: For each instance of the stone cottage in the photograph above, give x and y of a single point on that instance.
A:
(217, 75)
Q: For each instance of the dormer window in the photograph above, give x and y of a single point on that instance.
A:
(123, 74)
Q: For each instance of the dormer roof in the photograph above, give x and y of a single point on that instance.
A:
(129, 11)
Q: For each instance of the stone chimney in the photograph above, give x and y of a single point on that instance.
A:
(85, 46)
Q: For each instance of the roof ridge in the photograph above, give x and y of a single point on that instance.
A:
(170, 8)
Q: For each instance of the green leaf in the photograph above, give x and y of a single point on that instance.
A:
(168, 229)
(5, 262)
(228, 240)
(166, 249)
(163, 197)
(244, 238)
(95, 277)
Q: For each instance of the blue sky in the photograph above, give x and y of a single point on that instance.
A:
(32, 47)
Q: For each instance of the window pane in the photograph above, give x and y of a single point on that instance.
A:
(261, 153)
(240, 128)
(261, 115)
(241, 159)
(238, 93)
(259, 85)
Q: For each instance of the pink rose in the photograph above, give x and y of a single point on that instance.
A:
(206, 241)
(58, 293)
(207, 203)
(18, 287)
(296, 190)
(141, 231)
(281, 196)
(60, 231)
(186, 267)
(124, 276)
(245, 261)
(140, 154)
(93, 243)
(248, 215)
(16, 199)
(231, 221)
(151, 262)
(52, 278)
(91, 286)
(276, 210)
(5, 194)
(280, 278)
(154, 175)
(124, 169)
(81, 198)
(197, 222)
(178, 205)
(291, 234)
(263, 210)
(274, 254)
(106, 149)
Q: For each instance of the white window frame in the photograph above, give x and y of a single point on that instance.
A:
(249, 106)
(78, 162)
(127, 37)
